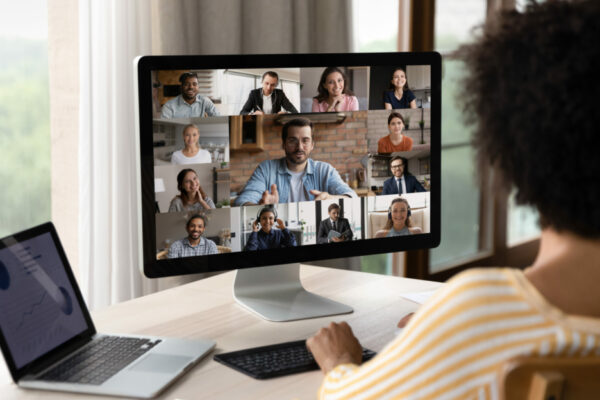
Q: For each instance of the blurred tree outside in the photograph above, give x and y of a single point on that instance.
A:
(24, 134)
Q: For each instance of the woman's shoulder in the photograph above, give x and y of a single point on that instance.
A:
(495, 276)
(384, 140)
(176, 156)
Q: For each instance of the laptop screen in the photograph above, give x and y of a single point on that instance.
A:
(39, 309)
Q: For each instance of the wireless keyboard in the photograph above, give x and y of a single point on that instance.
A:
(275, 360)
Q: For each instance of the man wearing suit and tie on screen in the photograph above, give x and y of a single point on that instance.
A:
(268, 100)
(334, 229)
(402, 181)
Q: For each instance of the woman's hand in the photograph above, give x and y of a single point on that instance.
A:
(201, 200)
(335, 345)
(280, 224)
(336, 105)
(255, 227)
(404, 321)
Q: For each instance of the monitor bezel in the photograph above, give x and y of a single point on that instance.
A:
(154, 268)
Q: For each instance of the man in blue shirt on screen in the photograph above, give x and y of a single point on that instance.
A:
(296, 177)
(189, 104)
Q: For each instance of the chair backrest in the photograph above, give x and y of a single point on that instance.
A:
(550, 378)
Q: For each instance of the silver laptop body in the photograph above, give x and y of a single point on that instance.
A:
(44, 321)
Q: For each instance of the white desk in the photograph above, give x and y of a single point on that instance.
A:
(206, 309)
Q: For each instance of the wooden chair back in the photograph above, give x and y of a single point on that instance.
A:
(550, 378)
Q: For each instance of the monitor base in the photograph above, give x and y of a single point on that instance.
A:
(276, 294)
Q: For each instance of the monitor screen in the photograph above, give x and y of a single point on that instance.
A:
(260, 160)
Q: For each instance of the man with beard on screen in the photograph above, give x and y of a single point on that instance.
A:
(189, 104)
(295, 177)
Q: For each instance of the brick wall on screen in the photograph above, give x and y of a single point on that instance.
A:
(341, 145)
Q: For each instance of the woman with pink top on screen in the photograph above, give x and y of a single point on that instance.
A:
(334, 93)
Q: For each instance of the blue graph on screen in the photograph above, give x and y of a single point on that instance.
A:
(29, 313)
(4, 277)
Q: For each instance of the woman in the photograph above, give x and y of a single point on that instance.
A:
(456, 343)
(399, 95)
(191, 153)
(398, 223)
(191, 196)
(263, 235)
(395, 140)
(334, 93)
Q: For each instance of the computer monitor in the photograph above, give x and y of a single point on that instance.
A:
(260, 162)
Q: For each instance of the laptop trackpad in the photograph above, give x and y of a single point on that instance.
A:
(161, 363)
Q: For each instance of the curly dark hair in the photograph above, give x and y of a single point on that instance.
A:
(323, 94)
(531, 90)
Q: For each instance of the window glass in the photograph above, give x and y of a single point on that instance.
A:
(24, 116)
(523, 223)
(375, 25)
(460, 209)
(460, 194)
(375, 30)
(454, 25)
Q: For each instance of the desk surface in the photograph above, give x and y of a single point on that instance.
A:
(206, 309)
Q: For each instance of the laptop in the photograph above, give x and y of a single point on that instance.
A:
(49, 341)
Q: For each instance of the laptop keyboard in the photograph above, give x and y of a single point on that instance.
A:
(99, 360)
(275, 360)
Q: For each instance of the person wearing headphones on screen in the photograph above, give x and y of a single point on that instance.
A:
(456, 343)
(402, 181)
(268, 100)
(189, 104)
(264, 236)
(194, 244)
(296, 177)
(398, 223)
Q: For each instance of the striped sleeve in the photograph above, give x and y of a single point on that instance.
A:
(452, 346)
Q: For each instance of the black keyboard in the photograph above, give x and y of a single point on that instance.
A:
(99, 360)
(275, 360)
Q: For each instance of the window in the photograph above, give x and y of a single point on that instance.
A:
(24, 116)
(375, 25)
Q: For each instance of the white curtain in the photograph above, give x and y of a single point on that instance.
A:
(112, 33)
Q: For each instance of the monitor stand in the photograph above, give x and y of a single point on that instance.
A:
(276, 294)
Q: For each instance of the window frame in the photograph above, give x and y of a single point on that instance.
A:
(493, 247)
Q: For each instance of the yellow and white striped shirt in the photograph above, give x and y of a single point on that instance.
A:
(454, 345)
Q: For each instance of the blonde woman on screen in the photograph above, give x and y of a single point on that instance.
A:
(191, 153)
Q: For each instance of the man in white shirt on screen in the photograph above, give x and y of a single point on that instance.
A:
(268, 100)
